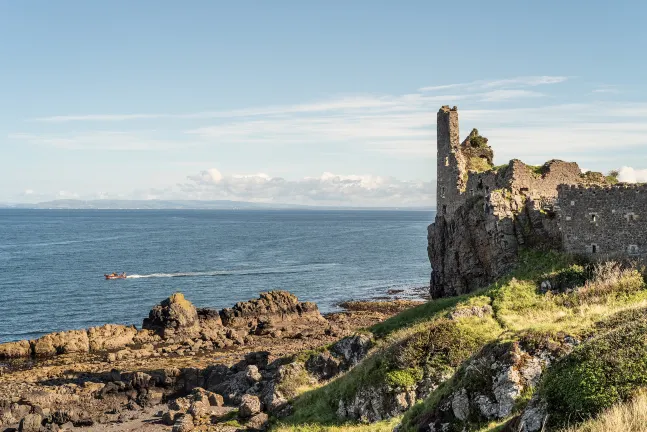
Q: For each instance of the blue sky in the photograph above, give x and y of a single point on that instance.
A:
(322, 102)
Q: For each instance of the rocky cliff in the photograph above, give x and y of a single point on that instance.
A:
(486, 214)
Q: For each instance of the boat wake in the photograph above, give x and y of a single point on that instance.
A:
(262, 271)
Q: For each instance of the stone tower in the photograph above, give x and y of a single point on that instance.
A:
(451, 165)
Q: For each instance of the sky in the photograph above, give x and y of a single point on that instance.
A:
(319, 102)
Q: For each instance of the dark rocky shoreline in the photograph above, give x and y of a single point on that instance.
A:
(187, 367)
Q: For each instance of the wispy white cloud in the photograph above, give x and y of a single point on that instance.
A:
(525, 81)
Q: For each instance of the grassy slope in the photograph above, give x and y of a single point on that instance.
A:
(518, 307)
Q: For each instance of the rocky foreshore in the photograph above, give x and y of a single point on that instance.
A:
(185, 369)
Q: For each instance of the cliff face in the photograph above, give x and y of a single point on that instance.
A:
(481, 242)
(486, 214)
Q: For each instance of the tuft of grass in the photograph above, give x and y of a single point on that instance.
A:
(630, 416)
(478, 164)
(383, 426)
(419, 314)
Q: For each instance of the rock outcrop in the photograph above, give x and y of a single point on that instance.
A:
(74, 341)
(486, 214)
(176, 321)
(110, 337)
(175, 317)
(15, 349)
(489, 386)
(271, 312)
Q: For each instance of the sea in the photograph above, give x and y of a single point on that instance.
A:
(52, 262)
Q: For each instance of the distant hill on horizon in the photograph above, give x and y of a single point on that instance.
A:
(111, 204)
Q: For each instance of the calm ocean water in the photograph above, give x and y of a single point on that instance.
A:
(52, 261)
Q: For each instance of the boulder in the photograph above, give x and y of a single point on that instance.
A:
(175, 317)
(249, 406)
(352, 349)
(31, 423)
(169, 417)
(110, 336)
(73, 341)
(15, 349)
(258, 423)
(323, 366)
(183, 424)
(270, 309)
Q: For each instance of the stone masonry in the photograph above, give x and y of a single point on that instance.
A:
(486, 214)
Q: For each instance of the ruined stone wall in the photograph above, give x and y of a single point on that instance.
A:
(450, 162)
(484, 218)
(604, 221)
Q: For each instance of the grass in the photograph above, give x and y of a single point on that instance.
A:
(383, 426)
(478, 164)
(630, 416)
(416, 315)
(603, 302)
(601, 372)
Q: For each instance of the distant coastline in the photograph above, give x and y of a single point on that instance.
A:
(103, 204)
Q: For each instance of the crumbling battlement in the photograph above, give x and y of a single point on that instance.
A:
(485, 214)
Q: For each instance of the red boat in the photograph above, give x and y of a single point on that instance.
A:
(115, 276)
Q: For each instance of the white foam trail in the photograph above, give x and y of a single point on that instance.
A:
(295, 269)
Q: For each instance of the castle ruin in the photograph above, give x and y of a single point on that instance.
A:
(486, 214)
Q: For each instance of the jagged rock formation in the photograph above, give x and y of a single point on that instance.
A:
(271, 312)
(486, 214)
(488, 387)
(176, 321)
(175, 316)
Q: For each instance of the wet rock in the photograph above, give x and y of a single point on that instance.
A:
(31, 423)
(110, 336)
(249, 406)
(15, 349)
(74, 341)
(175, 317)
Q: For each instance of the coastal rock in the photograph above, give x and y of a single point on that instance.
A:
(373, 404)
(15, 349)
(271, 309)
(249, 406)
(175, 317)
(184, 424)
(110, 336)
(323, 366)
(352, 349)
(31, 423)
(505, 370)
(74, 341)
(258, 423)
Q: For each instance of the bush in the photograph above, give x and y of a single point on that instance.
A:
(600, 373)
